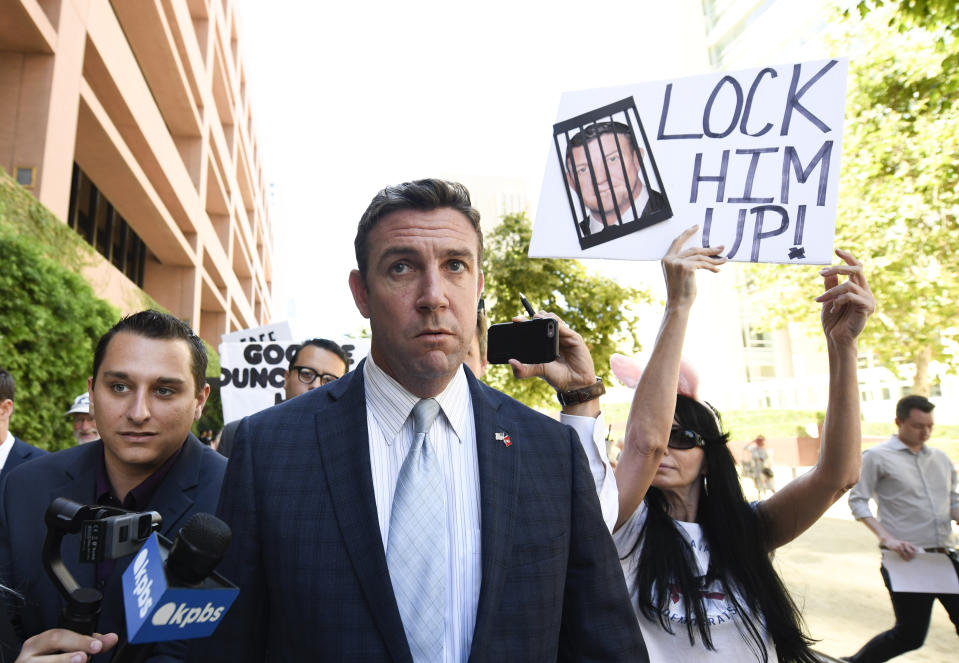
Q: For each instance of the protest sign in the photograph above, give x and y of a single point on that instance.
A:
(751, 156)
(252, 374)
(271, 333)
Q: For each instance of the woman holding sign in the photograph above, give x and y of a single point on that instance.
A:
(696, 555)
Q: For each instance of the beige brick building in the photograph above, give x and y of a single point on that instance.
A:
(130, 120)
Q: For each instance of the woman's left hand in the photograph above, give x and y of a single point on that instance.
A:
(845, 306)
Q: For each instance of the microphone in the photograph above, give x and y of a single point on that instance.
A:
(171, 591)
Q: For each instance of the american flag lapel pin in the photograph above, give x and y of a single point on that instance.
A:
(504, 438)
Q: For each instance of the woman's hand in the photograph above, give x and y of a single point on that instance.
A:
(680, 265)
(845, 306)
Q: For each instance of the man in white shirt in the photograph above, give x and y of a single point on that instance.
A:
(915, 488)
(13, 450)
(528, 571)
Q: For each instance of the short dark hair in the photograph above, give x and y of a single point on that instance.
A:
(8, 386)
(593, 132)
(912, 402)
(323, 344)
(424, 195)
(156, 324)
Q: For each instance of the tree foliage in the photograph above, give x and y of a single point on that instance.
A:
(50, 321)
(596, 307)
(898, 198)
(47, 286)
(930, 14)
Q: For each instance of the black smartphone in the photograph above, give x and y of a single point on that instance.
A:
(531, 342)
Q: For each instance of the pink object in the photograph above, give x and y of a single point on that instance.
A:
(628, 371)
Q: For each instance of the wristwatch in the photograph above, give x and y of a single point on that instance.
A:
(582, 394)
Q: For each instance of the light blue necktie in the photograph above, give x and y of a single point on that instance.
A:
(416, 547)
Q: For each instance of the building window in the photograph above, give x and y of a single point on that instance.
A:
(95, 219)
(25, 176)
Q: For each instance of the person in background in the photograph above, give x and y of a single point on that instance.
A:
(318, 361)
(13, 450)
(757, 464)
(84, 426)
(915, 487)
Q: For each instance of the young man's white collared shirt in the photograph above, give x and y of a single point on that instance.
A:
(5, 448)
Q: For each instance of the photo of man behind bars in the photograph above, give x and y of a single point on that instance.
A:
(612, 189)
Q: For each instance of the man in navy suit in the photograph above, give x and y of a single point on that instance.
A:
(13, 450)
(148, 387)
(530, 573)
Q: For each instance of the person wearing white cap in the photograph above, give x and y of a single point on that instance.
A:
(84, 427)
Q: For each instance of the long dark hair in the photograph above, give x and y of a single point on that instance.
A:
(735, 532)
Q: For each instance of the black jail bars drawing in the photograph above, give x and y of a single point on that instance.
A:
(612, 182)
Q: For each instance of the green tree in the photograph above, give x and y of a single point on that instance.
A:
(596, 307)
(43, 259)
(914, 13)
(899, 196)
(49, 322)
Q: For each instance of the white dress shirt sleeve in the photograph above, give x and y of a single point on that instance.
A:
(591, 436)
(954, 493)
(861, 493)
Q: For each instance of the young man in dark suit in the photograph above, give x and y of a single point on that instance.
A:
(13, 450)
(509, 560)
(147, 388)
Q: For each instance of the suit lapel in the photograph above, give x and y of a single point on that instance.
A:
(20, 448)
(343, 438)
(174, 496)
(499, 482)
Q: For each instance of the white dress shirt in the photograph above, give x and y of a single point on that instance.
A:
(5, 449)
(915, 492)
(591, 436)
(595, 225)
(453, 435)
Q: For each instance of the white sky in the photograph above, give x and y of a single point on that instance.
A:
(350, 97)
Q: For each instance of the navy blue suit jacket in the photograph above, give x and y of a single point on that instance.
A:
(192, 485)
(19, 454)
(308, 556)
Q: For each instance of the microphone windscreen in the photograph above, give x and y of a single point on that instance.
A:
(197, 549)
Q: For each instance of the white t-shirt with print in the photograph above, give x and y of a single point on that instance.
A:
(725, 624)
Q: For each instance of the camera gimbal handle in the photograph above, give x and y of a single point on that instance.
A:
(64, 516)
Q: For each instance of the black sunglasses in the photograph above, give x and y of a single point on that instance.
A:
(683, 438)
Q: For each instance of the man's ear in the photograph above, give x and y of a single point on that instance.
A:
(201, 401)
(6, 408)
(358, 288)
(480, 283)
(571, 181)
